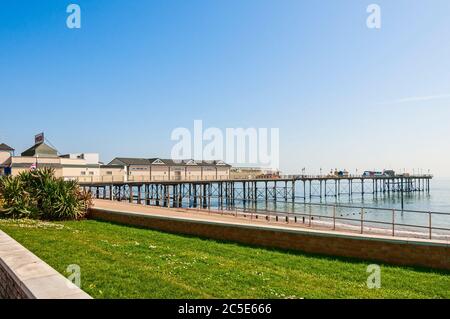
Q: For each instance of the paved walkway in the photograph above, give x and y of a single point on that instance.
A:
(194, 214)
(239, 218)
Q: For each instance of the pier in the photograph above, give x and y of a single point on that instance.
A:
(224, 193)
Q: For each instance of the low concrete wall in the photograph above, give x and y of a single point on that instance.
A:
(406, 252)
(9, 287)
(24, 276)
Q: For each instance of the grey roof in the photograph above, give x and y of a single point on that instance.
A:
(4, 147)
(168, 162)
(40, 149)
(40, 165)
(111, 166)
(130, 161)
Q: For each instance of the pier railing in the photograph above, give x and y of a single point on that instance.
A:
(142, 179)
(92, 179)
(354, 176)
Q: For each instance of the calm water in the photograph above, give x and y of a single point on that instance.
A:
(437, 200)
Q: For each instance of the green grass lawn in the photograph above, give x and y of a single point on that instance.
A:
(125, 262)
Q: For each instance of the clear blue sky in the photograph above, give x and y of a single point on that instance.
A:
(343, 96)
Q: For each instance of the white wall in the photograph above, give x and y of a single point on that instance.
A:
(4, 156)
(91, 158)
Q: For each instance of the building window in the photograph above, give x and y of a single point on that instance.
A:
(83, 173)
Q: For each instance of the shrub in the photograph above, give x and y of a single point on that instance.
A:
(39, 194)
(15, 199)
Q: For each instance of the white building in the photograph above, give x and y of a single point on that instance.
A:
(158, 169)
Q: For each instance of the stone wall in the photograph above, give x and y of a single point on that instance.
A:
(407, 252)
(24, 276)
(9, 288)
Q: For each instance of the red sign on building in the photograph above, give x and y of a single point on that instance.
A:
(39, 138)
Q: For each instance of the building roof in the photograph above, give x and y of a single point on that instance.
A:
(40, 150)
(4, 147)
(167, 162)
(130, 161)
(111, 166)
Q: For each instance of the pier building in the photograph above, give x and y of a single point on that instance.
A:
(158, 169)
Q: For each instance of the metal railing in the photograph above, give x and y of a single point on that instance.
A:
(140, 178)
(97, 179)
(332, 176)
(360, 225)
(161, 178)
(362, 222)
(164, 178)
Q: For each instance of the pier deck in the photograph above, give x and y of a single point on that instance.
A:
(225, 192)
